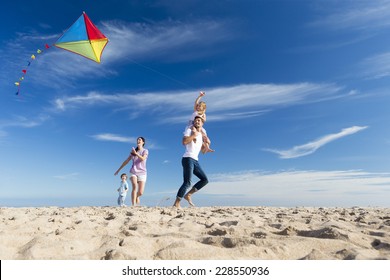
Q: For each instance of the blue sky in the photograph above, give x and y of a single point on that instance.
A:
(297, 95)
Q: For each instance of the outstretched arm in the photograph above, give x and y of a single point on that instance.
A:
(198, 99)
(123, 165)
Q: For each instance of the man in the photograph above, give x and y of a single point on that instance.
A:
(193, 143)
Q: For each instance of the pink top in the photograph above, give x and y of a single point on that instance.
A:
(139, 166)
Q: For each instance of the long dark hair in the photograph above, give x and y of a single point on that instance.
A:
(143, 140)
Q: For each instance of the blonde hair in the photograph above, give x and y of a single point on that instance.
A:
(202, 106)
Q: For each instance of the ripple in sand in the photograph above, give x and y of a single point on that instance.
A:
(316, 255)
(379, 234)
(325, 233)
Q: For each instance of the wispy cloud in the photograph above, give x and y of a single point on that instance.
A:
(20, 121)
(69, 176)
(151, 144)
(114, 138)
(358, 15)
(225, 103)
(376, 67)
(311, 147)
(151, 41)
(3, 134)
(303, 188)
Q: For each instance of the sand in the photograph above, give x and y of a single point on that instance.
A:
(197, 233)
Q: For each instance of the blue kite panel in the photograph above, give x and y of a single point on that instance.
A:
(77, 32)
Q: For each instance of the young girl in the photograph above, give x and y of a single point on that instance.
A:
(200, 110)
(138, 171)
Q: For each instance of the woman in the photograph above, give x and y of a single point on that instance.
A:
(138, 172)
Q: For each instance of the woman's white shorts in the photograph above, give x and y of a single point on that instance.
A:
(140, 178)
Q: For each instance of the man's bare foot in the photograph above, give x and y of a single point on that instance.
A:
(188, 198)
(177, 203)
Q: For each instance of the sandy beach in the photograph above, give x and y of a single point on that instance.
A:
(167, 233)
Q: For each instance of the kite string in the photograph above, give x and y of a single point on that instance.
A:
(162, 74)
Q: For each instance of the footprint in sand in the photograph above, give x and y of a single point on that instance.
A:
(379, 245)
(229, 223)
(133, 227)
(217, 232)
(347, 254)
(229, 243)
(110, 216)
(259, 235)
(111, 255)
(219, 241)
(288, 231)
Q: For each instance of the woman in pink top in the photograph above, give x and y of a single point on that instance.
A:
(138, 171)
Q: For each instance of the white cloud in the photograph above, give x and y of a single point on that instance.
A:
(302, 188)
(377, 66)
(358, 15)
(20, 121)
(147, 41)
(311, 147)
(224, 103)
(91, 98)
(69, 176)
(114, 138)
(3, 134)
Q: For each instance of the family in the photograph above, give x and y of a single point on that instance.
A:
(195, 141)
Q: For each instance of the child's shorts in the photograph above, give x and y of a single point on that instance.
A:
(140, 178)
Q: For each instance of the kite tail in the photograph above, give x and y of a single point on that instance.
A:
(24, 71)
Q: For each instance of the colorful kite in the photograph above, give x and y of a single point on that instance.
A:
(82, 38)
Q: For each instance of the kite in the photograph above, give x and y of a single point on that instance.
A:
(82, 38)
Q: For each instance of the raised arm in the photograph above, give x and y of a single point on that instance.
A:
(198, 99)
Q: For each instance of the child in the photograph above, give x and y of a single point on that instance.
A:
(123, 188)
(200, 110)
